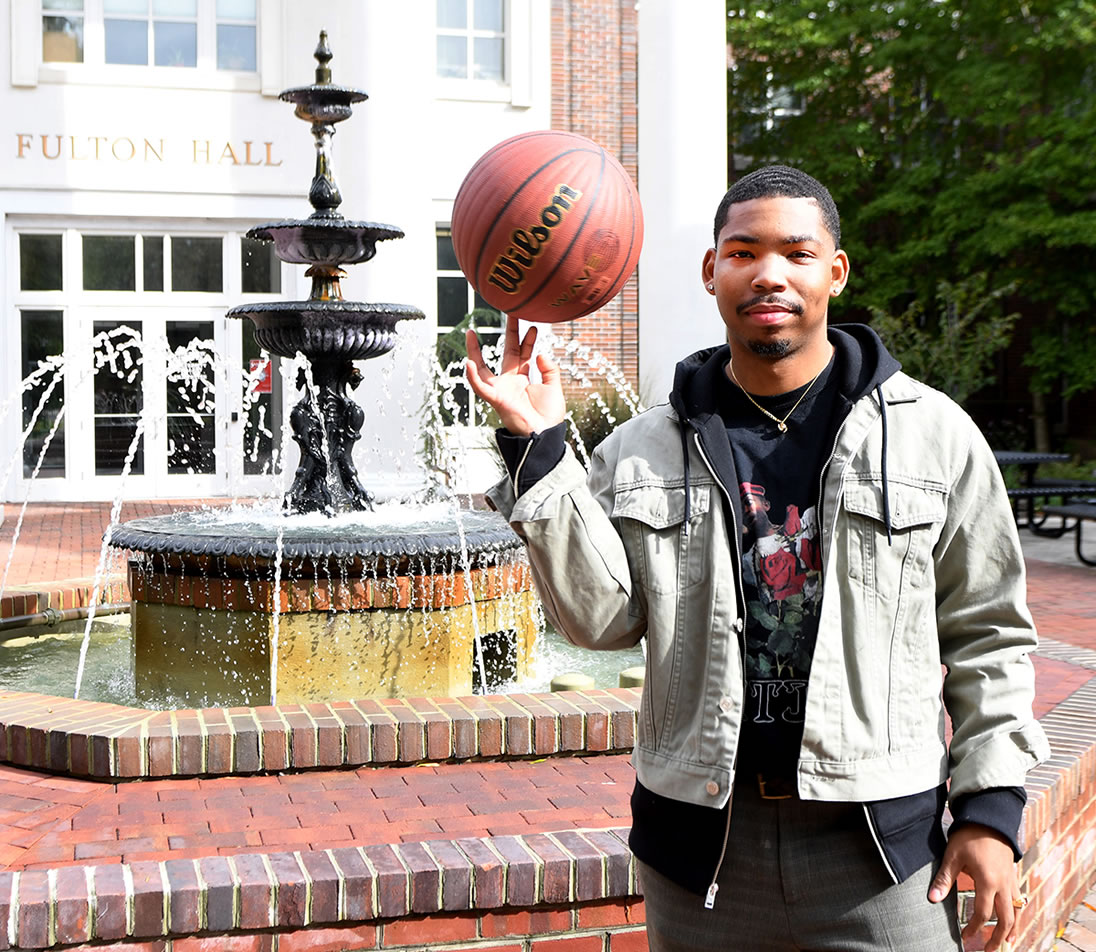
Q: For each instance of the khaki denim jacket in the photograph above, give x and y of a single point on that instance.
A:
(619, 553)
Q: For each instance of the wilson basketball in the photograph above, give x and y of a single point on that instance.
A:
(547, 226)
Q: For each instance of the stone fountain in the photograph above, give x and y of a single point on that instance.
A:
(331, 598)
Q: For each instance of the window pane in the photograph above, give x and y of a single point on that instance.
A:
(42, 337)
(452, 15)
(235, 9)
(196, 264)
(488, 15)
(260, 269)
(154, 262)
(175, 8)
(63, 39)
(109, 263)
(40, 262)
(138, 7)
(191, 434)
(118, 396)
(452, 57)
(447, 258)
(176, 43)
(63, 5)
(262, 403)
(236, 47)
(488, 54)
(126, 42)
(452, 301)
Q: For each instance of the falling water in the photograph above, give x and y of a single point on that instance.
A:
(277, 614)
(37, 467)
(115, 512)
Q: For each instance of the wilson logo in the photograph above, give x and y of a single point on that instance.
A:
(526, 244)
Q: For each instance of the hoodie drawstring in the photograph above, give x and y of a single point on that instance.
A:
(886, 490)
(685, 453)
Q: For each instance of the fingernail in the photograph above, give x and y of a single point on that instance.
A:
(936, 894)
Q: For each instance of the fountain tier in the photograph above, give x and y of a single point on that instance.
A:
(231, 608)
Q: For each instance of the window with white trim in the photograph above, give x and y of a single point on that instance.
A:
(471, 40)
(210, 35)
(145, 303)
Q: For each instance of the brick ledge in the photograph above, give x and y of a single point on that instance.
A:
(110, 742)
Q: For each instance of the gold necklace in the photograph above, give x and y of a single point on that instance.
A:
(781, 425)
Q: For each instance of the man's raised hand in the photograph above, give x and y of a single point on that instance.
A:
(523, 407)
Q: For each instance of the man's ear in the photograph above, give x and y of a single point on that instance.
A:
(839, 273)
(707, 268)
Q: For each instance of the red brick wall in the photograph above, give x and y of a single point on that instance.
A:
(594, 89)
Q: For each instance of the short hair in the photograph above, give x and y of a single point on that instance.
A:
(781, 181)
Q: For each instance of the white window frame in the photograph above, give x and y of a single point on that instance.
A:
(154, 309)
(29, 69)
(516, 86)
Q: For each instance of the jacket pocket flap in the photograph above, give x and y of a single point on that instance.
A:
(660, 506)
(909, 505)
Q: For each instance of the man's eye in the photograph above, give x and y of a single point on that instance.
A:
(740, 254)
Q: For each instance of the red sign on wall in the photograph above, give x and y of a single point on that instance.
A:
(263, 383)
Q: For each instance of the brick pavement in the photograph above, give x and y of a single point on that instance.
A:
(48, 821)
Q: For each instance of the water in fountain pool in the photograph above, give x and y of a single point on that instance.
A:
(46, 663)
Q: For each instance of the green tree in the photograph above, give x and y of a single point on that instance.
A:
(956, 138)
(953, 347)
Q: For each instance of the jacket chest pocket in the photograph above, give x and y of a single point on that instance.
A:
(916, 514)
(668, 552)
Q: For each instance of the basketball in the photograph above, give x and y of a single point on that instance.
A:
(547, 226)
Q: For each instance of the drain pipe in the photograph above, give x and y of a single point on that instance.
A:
(53, 616)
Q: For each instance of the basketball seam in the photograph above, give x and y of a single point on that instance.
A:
(609, 293)
(578, 234)
(512, 199)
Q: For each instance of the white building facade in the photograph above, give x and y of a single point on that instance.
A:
(141, 139)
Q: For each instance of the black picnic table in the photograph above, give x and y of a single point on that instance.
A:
(1024, 497)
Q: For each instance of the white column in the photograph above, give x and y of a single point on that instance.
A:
(682, 177)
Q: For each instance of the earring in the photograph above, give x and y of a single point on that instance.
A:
(711, 287)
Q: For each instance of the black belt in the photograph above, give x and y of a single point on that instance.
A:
(776, 788)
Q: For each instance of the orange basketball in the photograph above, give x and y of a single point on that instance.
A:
(547, 226)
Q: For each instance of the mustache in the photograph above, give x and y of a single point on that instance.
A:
(776, 299)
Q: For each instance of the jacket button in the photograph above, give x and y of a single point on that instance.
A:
(726, 705)
(712, 787)
(738, 624)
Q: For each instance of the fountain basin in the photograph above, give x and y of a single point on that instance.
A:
(343, 330)
(331, 241)
(230, 610)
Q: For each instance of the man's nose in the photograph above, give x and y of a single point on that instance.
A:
(769, 274)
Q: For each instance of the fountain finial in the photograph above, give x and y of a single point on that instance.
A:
(323, 57)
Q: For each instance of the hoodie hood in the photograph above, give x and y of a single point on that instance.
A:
(864, 364)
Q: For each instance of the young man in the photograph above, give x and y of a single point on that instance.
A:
(804, 535)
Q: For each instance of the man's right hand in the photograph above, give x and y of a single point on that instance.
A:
(523, 407)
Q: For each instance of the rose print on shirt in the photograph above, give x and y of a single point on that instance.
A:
(782, 570)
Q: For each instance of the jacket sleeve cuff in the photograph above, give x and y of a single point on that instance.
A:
(999, 808)
(529, 458)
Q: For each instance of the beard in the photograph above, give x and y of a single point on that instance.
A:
(769, 348)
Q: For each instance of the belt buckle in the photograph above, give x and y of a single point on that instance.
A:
(762, 783)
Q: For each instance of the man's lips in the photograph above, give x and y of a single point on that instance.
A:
(772, 311)
(769, 314)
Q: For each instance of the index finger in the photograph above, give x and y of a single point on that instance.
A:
(472, 345)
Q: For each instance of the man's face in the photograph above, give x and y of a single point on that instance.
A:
(773, 273)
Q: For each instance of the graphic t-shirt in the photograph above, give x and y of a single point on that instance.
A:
(779, 483)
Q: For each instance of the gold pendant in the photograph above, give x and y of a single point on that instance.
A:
(782, 427)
